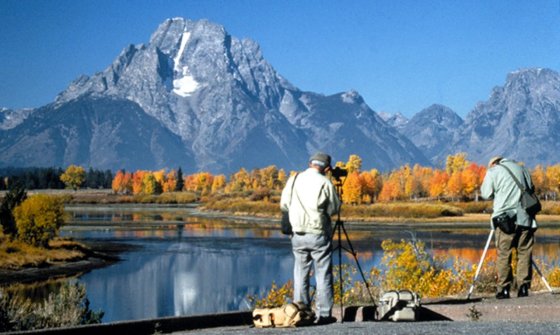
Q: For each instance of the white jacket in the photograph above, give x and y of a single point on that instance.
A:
(312, 202)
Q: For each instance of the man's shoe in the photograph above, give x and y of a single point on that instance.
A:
(325, 320)
(503, 294)
(523, 291)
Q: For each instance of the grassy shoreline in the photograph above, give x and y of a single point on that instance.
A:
(243, 205)
(22, 263)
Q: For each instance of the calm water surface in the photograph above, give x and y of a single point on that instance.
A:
(180, 264)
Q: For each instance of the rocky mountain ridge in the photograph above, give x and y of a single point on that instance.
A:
(520, 120)
(210, 102)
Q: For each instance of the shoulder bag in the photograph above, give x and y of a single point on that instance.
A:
(529, 200)
(286, 226)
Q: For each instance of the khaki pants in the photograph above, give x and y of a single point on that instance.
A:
(522, 240)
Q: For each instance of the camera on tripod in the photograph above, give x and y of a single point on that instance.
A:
(339, 172)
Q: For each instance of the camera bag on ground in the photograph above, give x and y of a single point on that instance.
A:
(289, 315)
(398, 306)
(505, 223)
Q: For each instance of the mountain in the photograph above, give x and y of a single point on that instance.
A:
(196, 97)
(396, 120)
(93, 132)
(520, 120)
(10, 118)
(432, 130)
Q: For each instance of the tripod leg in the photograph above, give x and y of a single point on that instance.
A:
(358, 264)
(341, 281)
(480, 263)
(542, 276)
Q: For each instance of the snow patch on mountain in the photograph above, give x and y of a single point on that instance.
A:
(185, 84)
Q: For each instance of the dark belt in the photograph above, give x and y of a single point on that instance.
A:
(300, 234)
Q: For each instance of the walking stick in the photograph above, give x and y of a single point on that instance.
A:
(542, 276)
(480, 263)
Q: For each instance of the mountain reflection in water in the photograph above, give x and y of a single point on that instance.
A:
(186, 265)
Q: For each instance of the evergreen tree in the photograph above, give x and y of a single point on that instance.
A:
(180, 181)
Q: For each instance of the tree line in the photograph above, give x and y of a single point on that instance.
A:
(459, 179)
(50, 178)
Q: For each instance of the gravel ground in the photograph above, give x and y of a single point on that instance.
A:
(394, 328)
(537, 314)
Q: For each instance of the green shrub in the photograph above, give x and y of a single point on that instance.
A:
(39, 218)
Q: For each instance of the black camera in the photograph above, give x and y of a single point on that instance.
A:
(338, 172)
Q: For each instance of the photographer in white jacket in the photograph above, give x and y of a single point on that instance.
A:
(311, 198)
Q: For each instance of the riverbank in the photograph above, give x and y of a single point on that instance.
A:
(69, 260)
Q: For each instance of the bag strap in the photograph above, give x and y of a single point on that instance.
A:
(292, 189)
(300, 203)
(523, 189)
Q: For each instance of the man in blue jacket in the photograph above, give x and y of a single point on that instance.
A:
(499, 185)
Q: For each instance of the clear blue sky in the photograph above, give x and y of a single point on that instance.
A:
(402, 56)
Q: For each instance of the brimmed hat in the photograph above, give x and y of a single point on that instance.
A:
(321, 159)
(495, 159)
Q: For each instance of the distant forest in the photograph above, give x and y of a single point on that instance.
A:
(33, 178)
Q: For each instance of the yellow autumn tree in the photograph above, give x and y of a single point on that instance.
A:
(538, 176)
(73, 177)
(239, 182)
(455, 185)
(218, 183)
(438, 183)
(137, 181)
(352, 189)
(170, 181)
(472, 180)
(392, 188)
(457, 162)
(159, 176)
(39, 218)
(553, 177)
(122, 182)
(282, 179)
(150, 184)
(422, 175)
(371, 185)
(354, 164)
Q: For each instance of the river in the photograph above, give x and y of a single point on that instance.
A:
(183, 263)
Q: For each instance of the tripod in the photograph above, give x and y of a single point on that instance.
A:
(338, 230)
(482, 261)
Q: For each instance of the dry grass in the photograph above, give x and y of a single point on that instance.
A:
(403, 210)
(17, 255)
(93, 196)
(240, 206)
